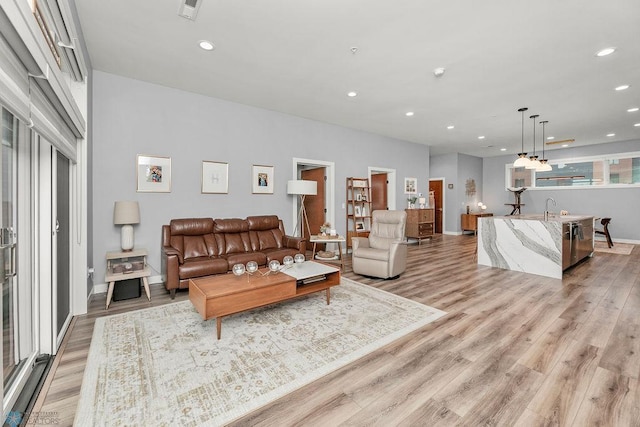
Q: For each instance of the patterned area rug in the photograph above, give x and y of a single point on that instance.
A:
(164, 367)
(618, 248)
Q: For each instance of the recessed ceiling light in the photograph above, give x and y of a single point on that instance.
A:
(623, 87)
(503, 149)
(633, 110)
(637, 124)
(606, 51)
(481, 137)
(409, 113)
(565, 145)
(611, 134)
(352, 94)
(206, 45)
(551, 137)
(450, 127)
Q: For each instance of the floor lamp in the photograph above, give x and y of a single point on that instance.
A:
(302, 188)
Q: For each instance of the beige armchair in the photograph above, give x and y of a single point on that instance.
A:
(384, 253)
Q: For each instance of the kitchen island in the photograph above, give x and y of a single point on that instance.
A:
(535, 244)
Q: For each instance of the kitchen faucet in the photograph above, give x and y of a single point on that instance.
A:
(546, 210)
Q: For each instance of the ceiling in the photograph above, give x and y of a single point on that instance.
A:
(296, 57)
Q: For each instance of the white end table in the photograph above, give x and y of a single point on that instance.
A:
(315, 239)
(127, 265)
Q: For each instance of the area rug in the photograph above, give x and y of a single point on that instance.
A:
(164, 367)
(618, 248)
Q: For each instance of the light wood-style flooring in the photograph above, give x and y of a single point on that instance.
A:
(514, 349)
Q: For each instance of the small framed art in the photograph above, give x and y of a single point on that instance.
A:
(215, 177)
(153, 174)
(358, 211)
(410, 186)
(359, 225)
(262, 178)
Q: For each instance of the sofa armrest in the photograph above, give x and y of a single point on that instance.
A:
(171, 251)
(298, 243)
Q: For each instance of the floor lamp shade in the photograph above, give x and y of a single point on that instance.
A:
(126, 213)
(302, 187)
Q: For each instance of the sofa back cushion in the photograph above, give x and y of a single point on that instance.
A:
(265, 232)
(232, 235)
(193, 237)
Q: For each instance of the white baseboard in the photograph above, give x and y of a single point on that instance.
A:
(101, 288)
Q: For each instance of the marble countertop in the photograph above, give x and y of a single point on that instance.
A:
(553, 217)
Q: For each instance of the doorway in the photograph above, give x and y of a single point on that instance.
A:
(314, 205)
(436, 185)
(383, 188)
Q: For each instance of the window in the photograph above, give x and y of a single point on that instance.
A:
(593, 172)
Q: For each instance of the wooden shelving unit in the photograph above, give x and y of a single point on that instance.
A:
(358, 208)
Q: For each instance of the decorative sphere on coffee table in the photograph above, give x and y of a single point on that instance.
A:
(298, 258)
(238, 269)
(274, 265)
(252, 267)
(287, 261)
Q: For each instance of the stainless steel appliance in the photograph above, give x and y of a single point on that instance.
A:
(577, 241)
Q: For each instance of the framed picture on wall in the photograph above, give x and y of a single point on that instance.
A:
(262, 178)
(215, 177)
(153, 174)
(410, 186)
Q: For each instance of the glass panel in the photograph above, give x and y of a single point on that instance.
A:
(7, 246)
(520, 177)
(588, 173)
(624, 171)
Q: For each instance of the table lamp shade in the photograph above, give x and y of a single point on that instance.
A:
(302, 187)
(125, 214)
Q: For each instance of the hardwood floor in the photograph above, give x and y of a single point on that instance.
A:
(513, 349)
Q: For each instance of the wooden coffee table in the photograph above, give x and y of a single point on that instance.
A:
(225, 294)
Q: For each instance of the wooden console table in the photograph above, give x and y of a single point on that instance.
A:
(469, 222)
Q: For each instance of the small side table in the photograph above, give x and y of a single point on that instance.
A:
(315, 239)
(127, 265)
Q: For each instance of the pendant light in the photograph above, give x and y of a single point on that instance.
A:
(544, 166)
(534, 163)
(522, 160)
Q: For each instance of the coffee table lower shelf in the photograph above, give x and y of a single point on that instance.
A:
(225, 294)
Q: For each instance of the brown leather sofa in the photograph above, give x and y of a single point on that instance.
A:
(196, 247)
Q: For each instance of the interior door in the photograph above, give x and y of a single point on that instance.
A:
(315, 206)
(436, 187)
(379, 183)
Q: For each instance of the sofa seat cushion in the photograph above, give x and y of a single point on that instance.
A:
(244, 258)
(202, 266)
(372, 253)
(279, 254)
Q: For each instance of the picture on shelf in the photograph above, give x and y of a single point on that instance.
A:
(358, 211)
(358, 197)
(359, 226)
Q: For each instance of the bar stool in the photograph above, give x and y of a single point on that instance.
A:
(605, 230)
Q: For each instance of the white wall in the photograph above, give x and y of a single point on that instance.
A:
(131, 117)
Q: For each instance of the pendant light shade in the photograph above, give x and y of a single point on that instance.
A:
(522, 160)
(534, 163)
(544, 166)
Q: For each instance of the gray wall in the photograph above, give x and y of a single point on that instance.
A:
(456, 169)
(131, 117)
(622, 205)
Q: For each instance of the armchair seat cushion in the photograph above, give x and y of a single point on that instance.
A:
(373, 253)
(202, 266)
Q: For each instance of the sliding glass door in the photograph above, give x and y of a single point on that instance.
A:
(16, 255)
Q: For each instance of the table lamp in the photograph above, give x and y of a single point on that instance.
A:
(302, 188)
(126, 213)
